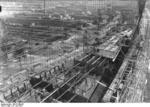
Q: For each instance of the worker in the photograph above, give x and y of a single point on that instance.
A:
(118, 97)
(37, 95)
(44, 93)
(120, 88)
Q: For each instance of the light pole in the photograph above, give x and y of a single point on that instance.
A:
(44, 7)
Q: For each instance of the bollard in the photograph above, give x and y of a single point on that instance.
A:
(25, 86)
(11, 92)
(45, 75)
(40, 76)
(59, 68)
(18, 89)
(54, 69)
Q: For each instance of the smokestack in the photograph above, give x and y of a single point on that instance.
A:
(0, 8)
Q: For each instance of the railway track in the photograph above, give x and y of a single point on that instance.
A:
(46, 85)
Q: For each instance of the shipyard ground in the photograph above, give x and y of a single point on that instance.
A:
(60, 61)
